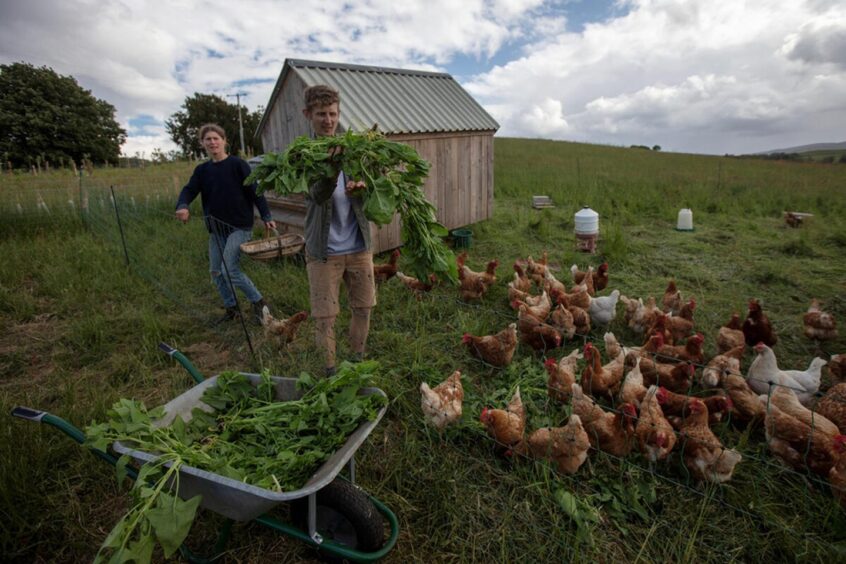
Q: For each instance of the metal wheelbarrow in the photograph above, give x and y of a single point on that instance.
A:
(329, 512)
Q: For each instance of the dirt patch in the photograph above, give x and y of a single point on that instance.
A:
(26, 350)
(209, 358)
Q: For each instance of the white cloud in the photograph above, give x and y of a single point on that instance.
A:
(712, 77)
(145, 57)
(143, 145)
(546, 118)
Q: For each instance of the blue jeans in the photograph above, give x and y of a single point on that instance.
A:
(225, 258)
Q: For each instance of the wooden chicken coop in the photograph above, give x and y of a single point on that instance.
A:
(428, 111)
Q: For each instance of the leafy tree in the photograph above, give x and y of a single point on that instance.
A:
(199, 109)
(251, 123)
(46, 116)
(656, 147)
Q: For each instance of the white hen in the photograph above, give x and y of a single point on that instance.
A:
(764, 371)
(603, 310)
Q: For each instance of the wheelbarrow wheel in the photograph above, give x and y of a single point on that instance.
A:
(345, 515)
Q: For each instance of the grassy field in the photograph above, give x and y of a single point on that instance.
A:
(835, 155)
(81, 320)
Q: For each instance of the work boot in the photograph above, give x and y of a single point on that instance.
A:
(258, 314)
(232, 313)
(330, 371)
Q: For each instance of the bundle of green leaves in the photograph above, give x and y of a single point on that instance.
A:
(249, 436)
(393, 174)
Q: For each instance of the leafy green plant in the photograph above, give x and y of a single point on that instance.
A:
(393, 174)
(581, 512)
(625, 500)
(249, 437)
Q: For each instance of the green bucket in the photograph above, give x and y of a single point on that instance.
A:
(462, 238)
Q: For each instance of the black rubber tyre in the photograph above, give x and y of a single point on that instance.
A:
(345, 515)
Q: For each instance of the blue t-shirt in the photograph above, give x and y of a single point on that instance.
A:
(344, 235)
(223, 194)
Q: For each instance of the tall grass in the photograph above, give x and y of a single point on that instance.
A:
(80, 328)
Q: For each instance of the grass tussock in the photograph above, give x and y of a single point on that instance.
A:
(81, 316)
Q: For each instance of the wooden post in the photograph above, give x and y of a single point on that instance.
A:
(83, 195)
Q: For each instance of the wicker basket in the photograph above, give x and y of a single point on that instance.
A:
(273, 246)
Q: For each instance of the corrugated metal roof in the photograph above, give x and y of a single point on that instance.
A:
(400, 101)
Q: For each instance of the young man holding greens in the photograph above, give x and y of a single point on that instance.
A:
(337, 240)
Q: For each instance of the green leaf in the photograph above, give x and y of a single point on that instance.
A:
(120, 468)
(568, 503)
(438, 230)
(113, 539)
(171, 520)
(144, 476)
(96, 436)
(141, 550)
(381, 204)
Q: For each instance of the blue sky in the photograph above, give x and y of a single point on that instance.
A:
(707, 77)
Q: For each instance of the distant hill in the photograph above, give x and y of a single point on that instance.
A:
(809, 148)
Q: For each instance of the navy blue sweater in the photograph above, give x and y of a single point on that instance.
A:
(224, 196)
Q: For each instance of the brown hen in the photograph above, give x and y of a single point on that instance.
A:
(282, 330)
(496, 350)
(704, 455)
(384, 272)
(566, 447)
(508, 425)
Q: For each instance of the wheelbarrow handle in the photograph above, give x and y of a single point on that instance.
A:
(67, 428)
(49, 419)
(183, 360)
(27, 413)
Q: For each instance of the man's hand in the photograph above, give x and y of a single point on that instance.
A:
(335, 154)
(183, 215)
(270, 224)
(355, 187)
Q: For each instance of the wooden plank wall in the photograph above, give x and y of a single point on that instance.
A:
(460, 182)
(286, 121)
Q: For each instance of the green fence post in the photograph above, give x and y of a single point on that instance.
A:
(120, 225)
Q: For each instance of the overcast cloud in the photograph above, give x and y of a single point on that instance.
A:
(716, 76)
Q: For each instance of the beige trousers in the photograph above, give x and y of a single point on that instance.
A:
(324, 281)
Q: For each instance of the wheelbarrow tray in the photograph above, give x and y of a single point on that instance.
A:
(232, 498)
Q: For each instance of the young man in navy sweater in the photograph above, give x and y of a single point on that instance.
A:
(228, 210)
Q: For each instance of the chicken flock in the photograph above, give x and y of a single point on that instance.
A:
(659, 396)
(653, 398)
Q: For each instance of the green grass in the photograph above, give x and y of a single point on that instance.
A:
(80, 329)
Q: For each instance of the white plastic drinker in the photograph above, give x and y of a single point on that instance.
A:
(685, 221)
(587, 221)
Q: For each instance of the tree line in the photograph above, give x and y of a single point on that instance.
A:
(49, 118)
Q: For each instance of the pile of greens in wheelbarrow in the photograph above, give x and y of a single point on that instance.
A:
(277, 445)
(393, 174)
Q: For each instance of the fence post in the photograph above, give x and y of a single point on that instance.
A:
(83, 201)
(120, 225)
(578, 174)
